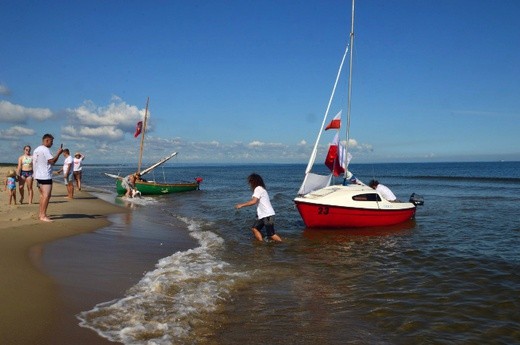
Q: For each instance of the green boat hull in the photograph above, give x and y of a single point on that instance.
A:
(154, 188)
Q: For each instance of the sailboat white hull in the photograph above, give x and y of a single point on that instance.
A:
(351, 206)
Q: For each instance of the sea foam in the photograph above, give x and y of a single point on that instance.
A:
(167, 304)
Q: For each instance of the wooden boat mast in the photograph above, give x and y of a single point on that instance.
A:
(142, 137)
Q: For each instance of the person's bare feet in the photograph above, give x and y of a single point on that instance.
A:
(46, 219)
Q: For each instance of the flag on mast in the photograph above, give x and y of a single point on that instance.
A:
(335, 123)
(138, 129)
(335, 156)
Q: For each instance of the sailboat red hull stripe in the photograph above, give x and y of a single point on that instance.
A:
(324, 216)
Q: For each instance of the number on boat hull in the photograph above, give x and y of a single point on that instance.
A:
(323, 210)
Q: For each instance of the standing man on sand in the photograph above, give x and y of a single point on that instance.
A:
(43, 160)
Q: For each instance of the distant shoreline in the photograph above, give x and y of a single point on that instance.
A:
(219, 164)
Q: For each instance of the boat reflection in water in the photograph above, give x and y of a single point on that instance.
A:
(351, 234)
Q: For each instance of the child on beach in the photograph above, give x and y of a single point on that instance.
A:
(264, 209)
(10, 185)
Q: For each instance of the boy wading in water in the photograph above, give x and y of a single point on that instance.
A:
(264, 210)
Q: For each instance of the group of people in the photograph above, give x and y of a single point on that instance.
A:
(38, 166)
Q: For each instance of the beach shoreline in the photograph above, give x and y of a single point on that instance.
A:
(31, 305)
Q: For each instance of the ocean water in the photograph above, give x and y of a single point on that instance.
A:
(452, 275)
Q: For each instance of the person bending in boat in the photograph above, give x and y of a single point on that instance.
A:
(128, 183)
(264, 210)
(383, 190)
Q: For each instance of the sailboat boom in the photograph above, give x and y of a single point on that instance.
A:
(162, 161)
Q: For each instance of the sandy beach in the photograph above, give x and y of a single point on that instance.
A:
(29, 299)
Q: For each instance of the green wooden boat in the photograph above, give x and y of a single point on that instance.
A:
(155, 188)
(152, 187)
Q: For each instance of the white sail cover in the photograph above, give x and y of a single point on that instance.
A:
(313, 182)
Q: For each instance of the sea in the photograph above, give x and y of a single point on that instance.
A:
(449, 276)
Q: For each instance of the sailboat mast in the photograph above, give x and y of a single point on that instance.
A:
(142, 137)
(349, 105)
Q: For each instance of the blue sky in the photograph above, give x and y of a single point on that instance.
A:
(248, 81)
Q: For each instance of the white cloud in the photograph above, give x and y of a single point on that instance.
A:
(102, 123)
(302, 143)
(106, 133)
(118, 113)
(256, 143)
(15, 132)
(359, 147)
(15, 113)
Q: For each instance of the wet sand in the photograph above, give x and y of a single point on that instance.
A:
(32, 306)
(92, 252)
(102, 265)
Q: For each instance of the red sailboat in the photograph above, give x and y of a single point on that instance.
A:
(323, 204)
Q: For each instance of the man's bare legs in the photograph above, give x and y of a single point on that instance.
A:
(45, 197)
(70, 190)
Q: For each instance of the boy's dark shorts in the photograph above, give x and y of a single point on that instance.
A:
(269, 225)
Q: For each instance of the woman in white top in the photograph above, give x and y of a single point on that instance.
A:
(78, 161)
(264, 209)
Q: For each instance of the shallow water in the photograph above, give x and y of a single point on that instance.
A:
(449, 276)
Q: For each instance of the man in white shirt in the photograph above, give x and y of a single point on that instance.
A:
(43, 160)
(383, 190)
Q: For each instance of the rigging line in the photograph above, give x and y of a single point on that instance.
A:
(313, 155)
(163, 173)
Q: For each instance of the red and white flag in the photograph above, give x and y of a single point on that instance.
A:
(335, 123)
(138, 129)
(335, 156)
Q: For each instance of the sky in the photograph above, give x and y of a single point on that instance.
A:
(240, 81)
